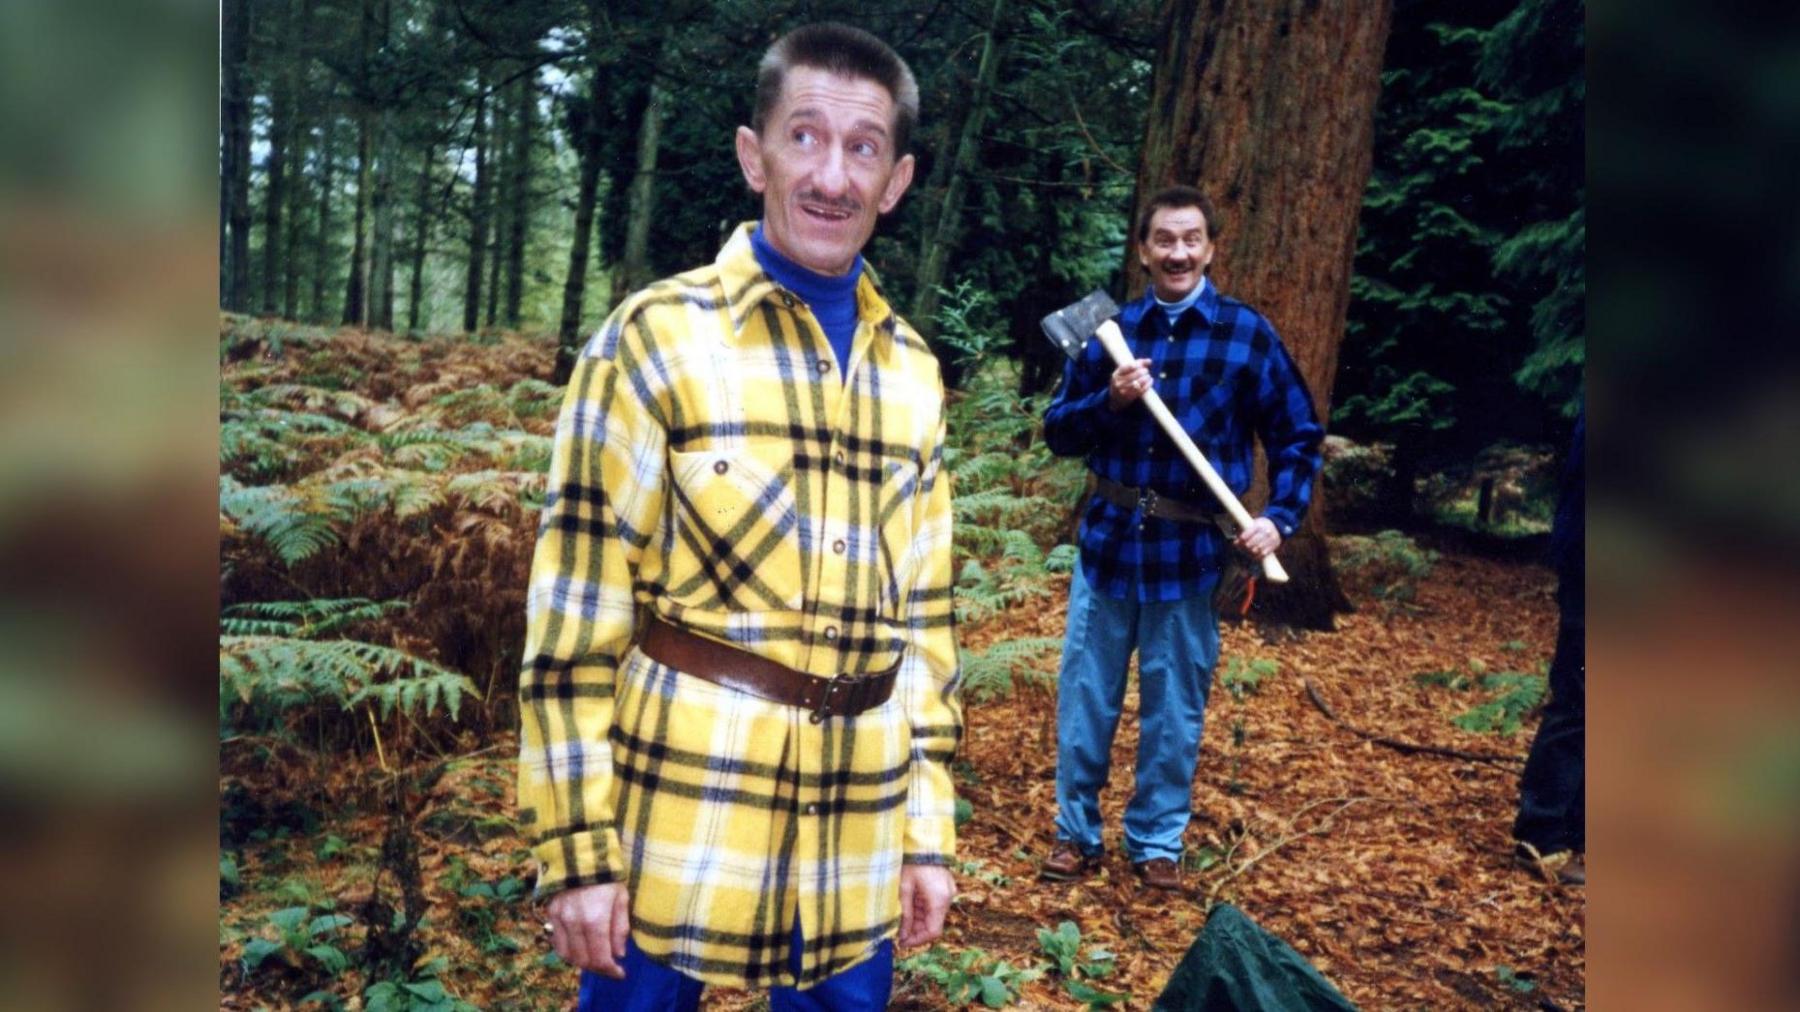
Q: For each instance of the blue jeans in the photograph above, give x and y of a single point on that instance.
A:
(1177, 643)
(652, 987)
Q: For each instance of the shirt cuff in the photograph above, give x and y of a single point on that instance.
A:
(578, 859)
(1285, 521)
(930, 841)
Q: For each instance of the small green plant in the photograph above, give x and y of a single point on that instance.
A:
(230, 879)
(971, 975)
(301, 940)
(1244, 677)
(423, 993)
(978, 869)
(1515, 982)
(1517, 695)
(484, 902)
(1200, 859)
(1388, 565)
(1063, 946)
(1455, 681)
(964, 811)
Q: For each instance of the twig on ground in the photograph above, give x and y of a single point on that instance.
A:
(1324, 826)
(1312, 692)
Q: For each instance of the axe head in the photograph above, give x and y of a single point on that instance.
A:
(1070, 327)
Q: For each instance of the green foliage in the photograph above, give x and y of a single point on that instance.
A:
(1514, 982)
(1063, 946)
(303, 619)
(301, 940)
(970, 975)
(423, 993)
(1517, 694)
(989, 675)
(275, 674)
(1389, 564)
(964, 811)
(484, 903)
(1455, 681)
(1244, 676)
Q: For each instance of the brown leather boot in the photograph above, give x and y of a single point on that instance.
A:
(1066, 861)
(1159, 873)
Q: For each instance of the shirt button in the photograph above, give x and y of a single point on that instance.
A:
(824, 367)
(720, 467)
(831, 634)
(812, 809)
(838, 546)
(838, 456)
(1162, 375)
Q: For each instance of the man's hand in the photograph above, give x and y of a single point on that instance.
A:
(589, 926)
(925, 892)
(1128, 384)
(1260, 538)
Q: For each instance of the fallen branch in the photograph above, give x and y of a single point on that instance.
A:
(1312, 692)
(1235, 872)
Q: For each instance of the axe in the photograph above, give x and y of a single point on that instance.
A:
(1069, 329)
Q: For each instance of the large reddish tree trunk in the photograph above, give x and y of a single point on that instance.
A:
(1269, 107)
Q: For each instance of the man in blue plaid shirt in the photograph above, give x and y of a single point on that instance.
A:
(1151, 549)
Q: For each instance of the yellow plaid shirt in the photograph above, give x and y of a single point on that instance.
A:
(714, 468)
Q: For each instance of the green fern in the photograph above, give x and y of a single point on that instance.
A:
(295, 523)
(303, 619)
(989, 675)
(284, 672)
(534, 398)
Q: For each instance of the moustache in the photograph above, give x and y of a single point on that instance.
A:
(845, 203)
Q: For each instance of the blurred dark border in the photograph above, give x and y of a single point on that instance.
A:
(1694, 281)
(108, 475)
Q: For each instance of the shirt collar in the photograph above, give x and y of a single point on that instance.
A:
(746, 284)
(1141, 313)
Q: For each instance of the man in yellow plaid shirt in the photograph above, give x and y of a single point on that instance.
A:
(740, 694)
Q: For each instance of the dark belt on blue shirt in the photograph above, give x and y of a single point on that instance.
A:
(1155, 504)
(723, 664)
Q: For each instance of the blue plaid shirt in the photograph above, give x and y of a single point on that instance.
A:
(1224, 375)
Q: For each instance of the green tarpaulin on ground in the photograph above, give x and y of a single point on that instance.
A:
(1236, 966)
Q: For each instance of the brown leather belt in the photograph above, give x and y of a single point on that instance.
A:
(690, 654)
(1155, 505)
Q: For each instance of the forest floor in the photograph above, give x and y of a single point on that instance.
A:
(1390, 871)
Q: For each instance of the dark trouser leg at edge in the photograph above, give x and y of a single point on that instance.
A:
(1553, 788)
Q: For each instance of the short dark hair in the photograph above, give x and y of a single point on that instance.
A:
(839, 49)
(1179, 196)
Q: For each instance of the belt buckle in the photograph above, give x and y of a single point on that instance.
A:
(827, 700)
(1146, 501)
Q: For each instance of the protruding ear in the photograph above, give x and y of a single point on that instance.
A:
(749, 153)
(897, 183)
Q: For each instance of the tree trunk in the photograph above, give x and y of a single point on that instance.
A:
(275, 171)
(356, 287)
(949, 221)
(1268, 105)
(520, 217)
(477, 214)
(299, 129)
(584, 124)
(234, 157)
(634, 265)
(322, 244)
(421, 229)
(381, 260)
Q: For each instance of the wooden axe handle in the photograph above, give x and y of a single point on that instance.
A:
(1114, 343)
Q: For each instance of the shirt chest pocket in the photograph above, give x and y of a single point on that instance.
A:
(736, 529)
